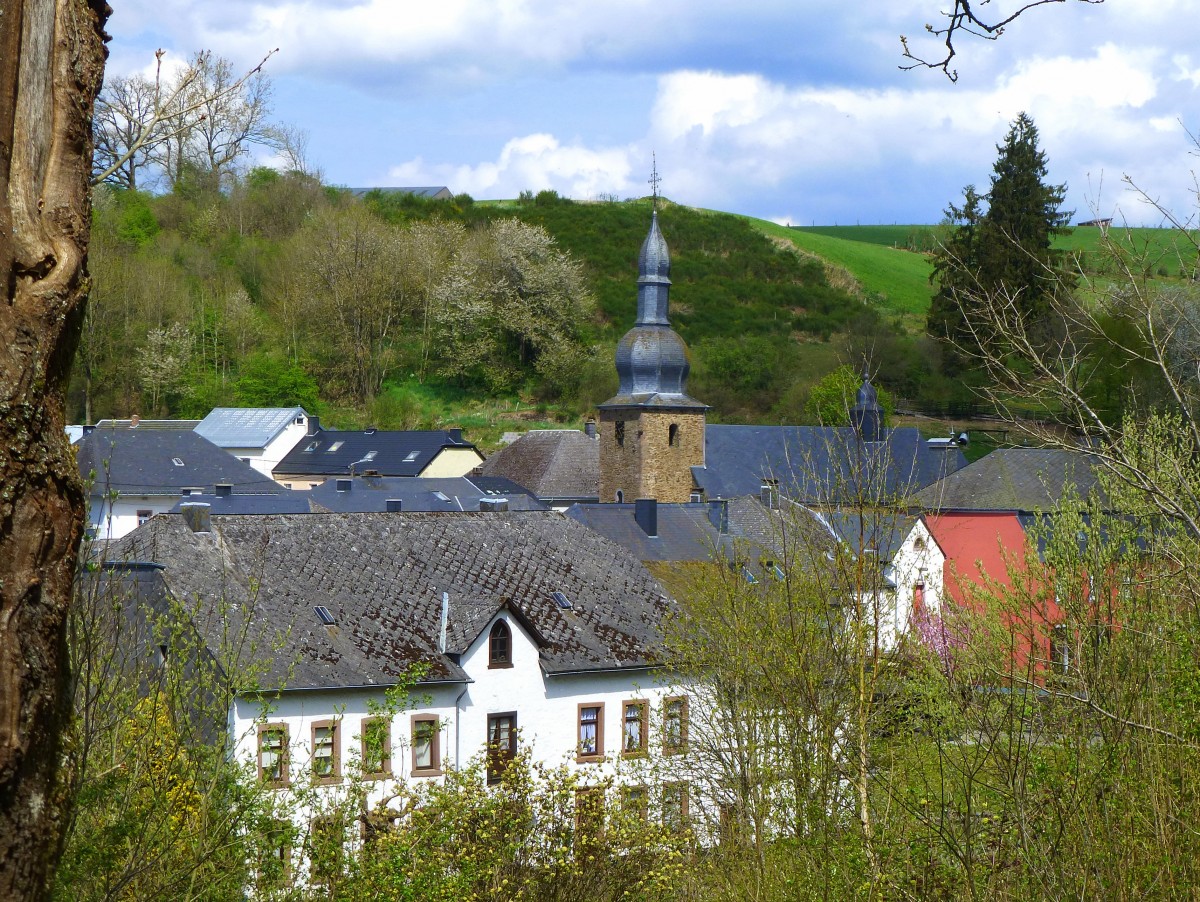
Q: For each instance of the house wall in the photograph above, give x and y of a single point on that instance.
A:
(547, 710)
(646, 464)
(112, 519)
(987, 549)
(265, 459)
(452, 462)
(918, 561)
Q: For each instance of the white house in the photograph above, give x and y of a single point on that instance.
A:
(530, 628)
(259, 436)
(134, 472)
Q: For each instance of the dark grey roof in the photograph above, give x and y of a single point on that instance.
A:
(880, 533)
(685, 532)
(554, 464)
(136, 461)
(284, 502)
(432, 192)
(371, 493)
(1015, 479)
(382, 578)
(247, 427)
(820, 465)
(331, 452)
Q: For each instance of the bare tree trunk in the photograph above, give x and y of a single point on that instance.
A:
(51, 65)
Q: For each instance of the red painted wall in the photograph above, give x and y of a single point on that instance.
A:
(991, 549)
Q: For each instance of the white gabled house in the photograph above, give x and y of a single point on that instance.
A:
(528, 627)
(259, 436)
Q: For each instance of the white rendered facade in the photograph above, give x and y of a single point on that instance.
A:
(547, 711)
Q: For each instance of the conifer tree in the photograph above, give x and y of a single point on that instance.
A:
(1007, 251)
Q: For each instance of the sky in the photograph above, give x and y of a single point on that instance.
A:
(792, 110)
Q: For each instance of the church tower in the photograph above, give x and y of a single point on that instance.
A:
(651, 431)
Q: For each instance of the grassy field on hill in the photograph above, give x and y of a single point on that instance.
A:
(897, 281)
(1162, 252)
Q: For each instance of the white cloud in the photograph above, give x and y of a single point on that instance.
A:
(529, 163)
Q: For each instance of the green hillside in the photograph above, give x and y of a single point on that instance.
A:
(896, 280)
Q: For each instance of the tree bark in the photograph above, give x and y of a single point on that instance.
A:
(51, 66)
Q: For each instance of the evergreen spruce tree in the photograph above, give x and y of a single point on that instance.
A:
(1006, 251)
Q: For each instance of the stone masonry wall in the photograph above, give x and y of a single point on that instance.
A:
(647, 465)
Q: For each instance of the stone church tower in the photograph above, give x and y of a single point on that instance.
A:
(651, 432)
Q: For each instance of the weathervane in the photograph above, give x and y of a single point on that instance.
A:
(654, 179)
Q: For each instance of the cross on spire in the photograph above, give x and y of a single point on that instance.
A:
(654, 179)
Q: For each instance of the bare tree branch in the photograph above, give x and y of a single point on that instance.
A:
(964, 18)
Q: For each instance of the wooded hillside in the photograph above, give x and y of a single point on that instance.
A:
(391, 309)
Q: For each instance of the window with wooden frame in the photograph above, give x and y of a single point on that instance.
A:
(143, 517)
(634, 727)
(277, 869)
(675, 724)
(500, 645)
(675, 806)
(426, 746)
(501, 744)
(1060, 648)
(590, 718)
(635, 803)
(273, 753)
(376, 748)
(327, 848)
(589, 813)
(326, 752)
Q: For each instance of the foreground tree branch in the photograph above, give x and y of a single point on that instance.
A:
(51, 66)
(964, 18)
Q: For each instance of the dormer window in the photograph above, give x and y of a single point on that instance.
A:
(500, 645)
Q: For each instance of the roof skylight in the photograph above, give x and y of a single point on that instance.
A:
(323, 613)
(561, 600)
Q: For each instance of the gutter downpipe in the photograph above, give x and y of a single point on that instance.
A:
(458, 724)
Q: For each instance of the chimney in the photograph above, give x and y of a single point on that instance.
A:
(374, 477)
(455, 435)
(344, 485)
(196, 514)
(768, 494)
(394, 505)
(645, 514)
(495, 505)
(223, 489)
(589, 428)
(718, 515)
(134, 420)
(314, 425)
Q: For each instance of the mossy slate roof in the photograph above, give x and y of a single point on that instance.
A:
(382, 577)
(1015, 479)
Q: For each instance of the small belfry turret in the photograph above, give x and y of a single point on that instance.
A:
(866, 415)
(651, 431)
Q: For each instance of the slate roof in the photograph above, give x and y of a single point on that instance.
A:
(382, 578)
(554, 464)
(685, 532)
(284, 502)
(1015, 479)
(247, 427)
(331, 452)
(371, 493)
(820, 465)
(880, 533)
(136, 461)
